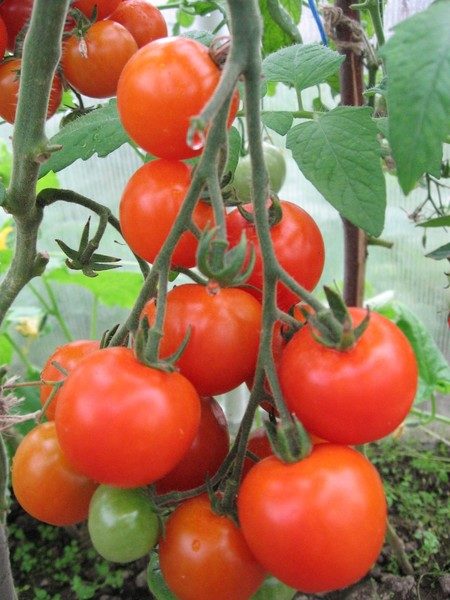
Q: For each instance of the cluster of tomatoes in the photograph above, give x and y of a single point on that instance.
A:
(116, 426)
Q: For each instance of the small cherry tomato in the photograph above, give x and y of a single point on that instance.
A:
(15, 14)
(204, 457)
(318, 524)
(276, 170)
(67, 356)
(92, 64)
(9, 90)
(122, 523)
(298, 246)
(151, 202)
(45, 484)
(144, 21)
(123, 423)
(355, 396)
(224, 325)
(203, 555)
(103, 7)
(173, 78)
(3, 37)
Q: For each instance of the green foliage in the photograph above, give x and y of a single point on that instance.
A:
(278, 120)
(272, 589)
(234, 149)
(155, 580)
(339, 154)
(273, 36)
(440, 253)
(302, 66)
(97, 132)
(418, 92)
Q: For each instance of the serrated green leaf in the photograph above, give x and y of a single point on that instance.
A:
(382, 124)
(418, 68)
(204, 37)
(273, 36)
(434, 371)
(112, 288)
(98, 132)
(49, 180)
(185, 19)
(234, 149)
(279, 120)
(437, 222)
(302, 65)
(339, 153)
(272, 589)
(440, 253)
(156, 582)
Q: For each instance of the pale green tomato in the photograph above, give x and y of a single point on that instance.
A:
(276, 168)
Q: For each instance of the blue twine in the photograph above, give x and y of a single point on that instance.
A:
(318, 20)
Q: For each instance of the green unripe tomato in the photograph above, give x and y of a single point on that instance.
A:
(122, 523)
(276, 168)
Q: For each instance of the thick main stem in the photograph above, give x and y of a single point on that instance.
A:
(351, 76)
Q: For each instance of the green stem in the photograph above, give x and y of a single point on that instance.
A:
(398, 548)
(373, 8)
(20, 353)
(6, 581)
(55, 311)
(426, 415)
(284, 21)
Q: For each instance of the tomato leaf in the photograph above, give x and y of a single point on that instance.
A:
(234, 149)
(204, 37)
(383, 126)
(110, 288)
(272, 589)
(437, 222)
(6, 350)
(340, 154)
(302, 65)
(97, 132)
(273, 36)
(434, 371)
(440, 253)
(278, 120)
(155, 580)
(418, 92)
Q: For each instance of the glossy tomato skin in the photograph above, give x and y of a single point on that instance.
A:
(122, 523)
(93, 65)
(3, 37)
(206, 454)
(173, 78)
(9, 90)
(224, 335)
(104, 7)
(149, 206)
(298, 246)
(44, 482)
(15, 14)
(318, 524)
(351, 397)
(144, 21)
(204, 555)
(67, 356)
(122, 423)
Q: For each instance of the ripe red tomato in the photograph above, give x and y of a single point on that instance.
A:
(67, 356)
(104, 7)
(122, 423)
(9, 90)
(173, 78)
(44, 482)
(15, 14)
(3, 37)
(223, 344)
(317, 524)
(93, 64)
(298, 246)
(204, 457)
(203, 555)
(352, 397)
(144, 21)
(149, 206)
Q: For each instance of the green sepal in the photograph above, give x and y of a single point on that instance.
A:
(108, 335)
(337, 305)
(289, 441)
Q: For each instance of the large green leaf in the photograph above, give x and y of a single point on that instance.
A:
(434, 371)
(302, 65)
(273, 36)
(339, 153)
(418, 92)
(278, 120)
(112, 288)
(97, 132)
(440, 253)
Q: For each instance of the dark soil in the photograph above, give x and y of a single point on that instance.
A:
(59, 564)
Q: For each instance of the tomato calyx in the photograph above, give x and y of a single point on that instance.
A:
(289, 440)
(229, 268)
(274, 211)
(219, 50)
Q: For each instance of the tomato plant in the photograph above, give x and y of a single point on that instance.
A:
(122, 523)
(223, 326)
(103, 8)
(173, 79)
(203, 555)
(130, 429)
(9, 89)
(151, 201)
(66, 356)
(206, 454)
(92, 64)
(298, 246)
(3, 37)
(15, 14)
(45, 484)
(354, 396)
(317, 524)
(143, 20)
(276, 171)
(258, 444)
